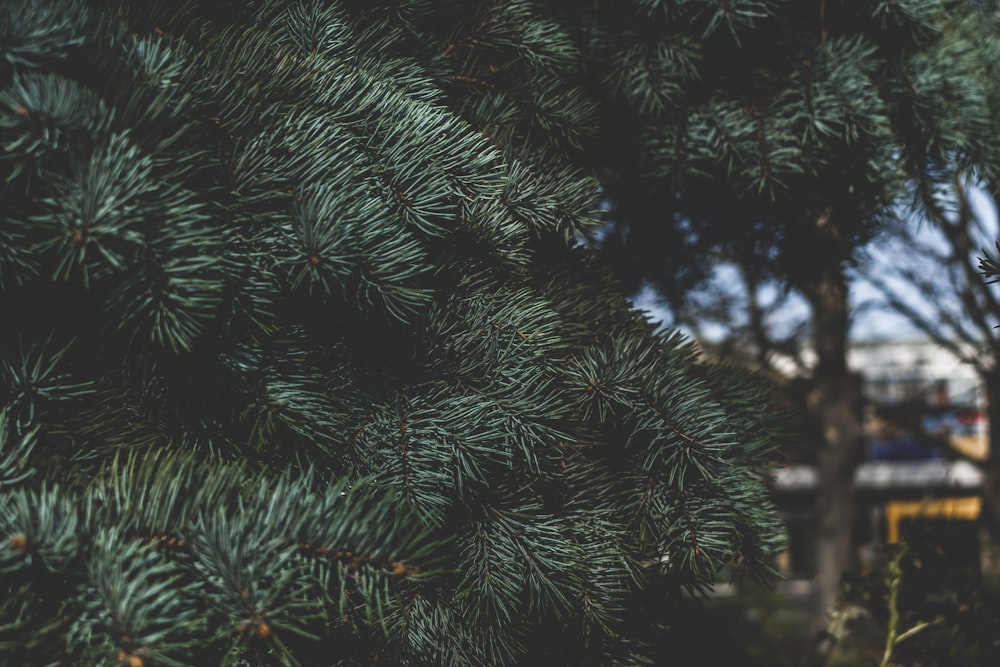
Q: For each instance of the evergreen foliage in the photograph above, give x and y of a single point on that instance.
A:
(299, 363)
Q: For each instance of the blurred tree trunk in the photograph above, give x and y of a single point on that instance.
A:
(991, 477)
(834, 402)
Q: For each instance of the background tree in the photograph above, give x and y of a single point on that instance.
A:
(745, 317)
(929, 273)
(299, 363)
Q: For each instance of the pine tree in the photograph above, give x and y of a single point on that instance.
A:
(301, 361)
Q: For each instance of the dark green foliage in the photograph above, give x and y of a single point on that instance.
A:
(298, 364)
(933, 594)
(990, 265)
(752, 627)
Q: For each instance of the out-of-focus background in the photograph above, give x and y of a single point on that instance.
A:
(922, 351)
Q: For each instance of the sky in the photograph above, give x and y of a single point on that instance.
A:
(871, 321)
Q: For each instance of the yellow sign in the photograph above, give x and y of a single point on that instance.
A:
(951, 509)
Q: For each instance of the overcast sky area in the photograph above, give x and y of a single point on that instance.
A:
(871, 321)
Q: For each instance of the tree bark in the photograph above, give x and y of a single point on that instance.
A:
(991, 476)
(835, 403)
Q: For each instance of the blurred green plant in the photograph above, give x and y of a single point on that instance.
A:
(756, 626)
(925, 608)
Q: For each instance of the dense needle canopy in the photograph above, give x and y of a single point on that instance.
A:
(301, 363)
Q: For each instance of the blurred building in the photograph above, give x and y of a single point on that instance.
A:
(924, 429)
(901, 372)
